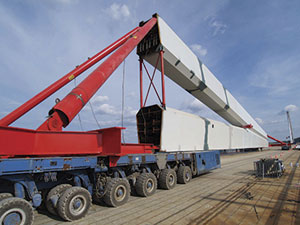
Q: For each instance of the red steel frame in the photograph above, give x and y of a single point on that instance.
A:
(49, 139)
(20, 142)
(142, 64)
(141, 82)
(248, 126)
(161, 54)
(281, 142)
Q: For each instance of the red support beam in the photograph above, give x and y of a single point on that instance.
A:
(151, 82)
(162, 100)
(141, 82)
(65, 111)
(161, 53)
(276, 140)
(248, 126)
(20, 111)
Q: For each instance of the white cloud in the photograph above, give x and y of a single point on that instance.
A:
(195, 106)
(217, 26)
(107, 109)
(291, 108)
(99, 99)
(95, 101)
(118, 11)
(130, 112)
(199, 49)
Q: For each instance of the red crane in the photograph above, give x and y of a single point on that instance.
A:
(49, 139)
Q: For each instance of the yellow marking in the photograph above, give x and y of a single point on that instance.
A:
(135, 37)
(71, 77)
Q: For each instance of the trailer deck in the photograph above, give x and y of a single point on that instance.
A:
(230, 195)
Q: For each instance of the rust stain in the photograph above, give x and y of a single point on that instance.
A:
(66, 167)
(130, 159)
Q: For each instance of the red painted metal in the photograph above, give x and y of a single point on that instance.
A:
(161, 53)
(127, 149)
(20, 111)
(69, 107)
(282, 143)
(151, 82)
(162, 100)
(49, 140)
(141, 82)
(274, 144)
(102, 142)
(248, 126)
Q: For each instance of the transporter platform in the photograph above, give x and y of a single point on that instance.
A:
(230, 195)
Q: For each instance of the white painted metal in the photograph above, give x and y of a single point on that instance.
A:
(290, 127)
(181, 131)
(183, 67)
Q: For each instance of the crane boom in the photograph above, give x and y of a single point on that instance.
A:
(30, 104)
(290, 127)
(65, 111)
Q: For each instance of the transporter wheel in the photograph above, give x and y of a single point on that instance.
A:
(55, 192)
(117, 192)
(184, 174)
(146, 184)
(5, 195)
(167, 179)
(74, 203)
(16, 211)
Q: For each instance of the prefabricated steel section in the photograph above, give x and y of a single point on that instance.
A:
(184, 68)
(174, 130)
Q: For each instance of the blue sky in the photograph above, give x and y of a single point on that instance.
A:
(251, 46)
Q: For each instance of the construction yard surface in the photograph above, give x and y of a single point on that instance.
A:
(230, 195)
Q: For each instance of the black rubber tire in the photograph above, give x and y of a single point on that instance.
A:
(167, 179)
(142, 184)
(57, 190)
(20, 207)
(96, 200)
(111, 197)
(5, 195)
(184, 174)
(71, 196)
